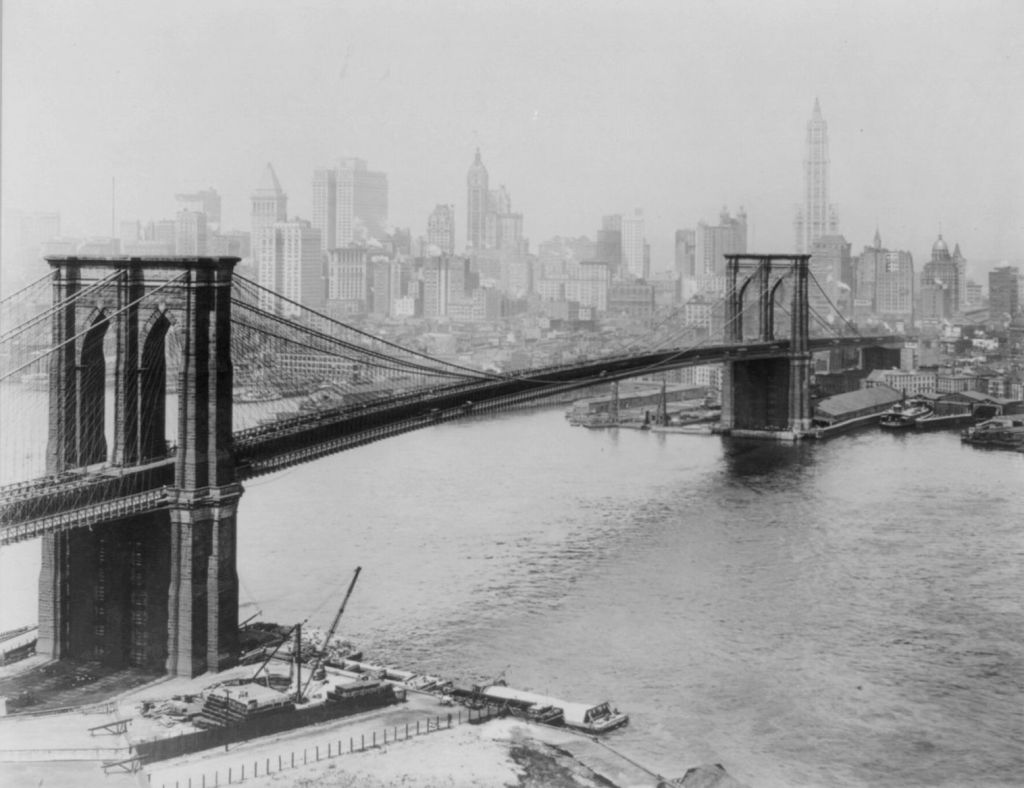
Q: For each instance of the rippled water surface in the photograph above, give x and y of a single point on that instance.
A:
(843, 613)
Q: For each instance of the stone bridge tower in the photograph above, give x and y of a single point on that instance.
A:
(159, 589)
(767, 397)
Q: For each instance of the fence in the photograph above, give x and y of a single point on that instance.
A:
(42, 755)
(264, 767)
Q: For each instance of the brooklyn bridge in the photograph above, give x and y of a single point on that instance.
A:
(138, 532)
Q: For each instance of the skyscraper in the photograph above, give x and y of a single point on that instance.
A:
(362, 203)
(714, 242)
(830, 267)
(477, 202)
(298, 266)
(1004, 291)
(206, 201)
(894, 286)
(441, 229)
(190, 233)
(269, 206)
(883, 283)
(634, 259)
(350, 203)
(325, 205)
(947, 272)
(686, 254)
(816, 217)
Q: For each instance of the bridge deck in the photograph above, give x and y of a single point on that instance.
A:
(85, 496)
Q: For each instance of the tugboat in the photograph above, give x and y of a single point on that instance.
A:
(904, 415)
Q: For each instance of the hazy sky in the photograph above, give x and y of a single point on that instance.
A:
(579, 108)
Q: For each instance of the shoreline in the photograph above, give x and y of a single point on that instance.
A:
(391, 746)
(413, 743)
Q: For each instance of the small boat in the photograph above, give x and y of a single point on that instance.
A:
(905, 414)
(590, 717)
(1004, 432)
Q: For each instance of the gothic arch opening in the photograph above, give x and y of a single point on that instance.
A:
(153, 391)
(781, 295)
(92, 402)
(749, 305)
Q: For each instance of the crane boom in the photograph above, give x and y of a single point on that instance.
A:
(334, 627)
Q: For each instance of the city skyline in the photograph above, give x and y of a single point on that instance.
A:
(676, 132)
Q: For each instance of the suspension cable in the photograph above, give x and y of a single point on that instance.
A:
(366, 334)
(835, 309)
(21, 328)
(50, 351)
(27, 287)
(362, 352)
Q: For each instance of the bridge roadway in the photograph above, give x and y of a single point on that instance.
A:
(78, 498)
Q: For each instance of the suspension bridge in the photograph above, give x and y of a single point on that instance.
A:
(103, 359)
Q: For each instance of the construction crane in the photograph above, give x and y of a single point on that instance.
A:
(330, 633)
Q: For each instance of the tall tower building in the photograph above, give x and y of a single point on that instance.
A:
(298, 265)
(686, 254)
(1004, 291)
(206, 201)
(269, 206)
(816, 217)
(441, 229)
(325, 205)
(190, 233)
(350, 203)
(894, 286)
(714, 242)
(478, 203)
(945, 271)
(634, 261)
(830, 267)
(362, 203)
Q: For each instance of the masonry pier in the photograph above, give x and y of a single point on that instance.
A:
(159, 589)
(767, 397)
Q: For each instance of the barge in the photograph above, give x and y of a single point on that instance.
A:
(588, 717)
(1002, 432)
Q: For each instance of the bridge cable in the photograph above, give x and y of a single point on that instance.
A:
(320, 315)
(358, 354)
(50, 351)
(842, 317)
(26, 288)
(55, 308)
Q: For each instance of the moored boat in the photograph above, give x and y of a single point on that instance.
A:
(590, 717)
(904, 414)
(1004, 432)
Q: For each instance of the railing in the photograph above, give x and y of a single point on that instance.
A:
(35, 507)
(40, 755)
(252, 768)
(87, 514)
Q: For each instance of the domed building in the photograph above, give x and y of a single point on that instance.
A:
(943, 281)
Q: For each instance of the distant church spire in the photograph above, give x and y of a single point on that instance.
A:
(878, 239)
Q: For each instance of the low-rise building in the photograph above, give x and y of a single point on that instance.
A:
(855, 405)
(907, 381)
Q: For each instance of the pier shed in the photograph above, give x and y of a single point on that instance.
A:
(855, 405)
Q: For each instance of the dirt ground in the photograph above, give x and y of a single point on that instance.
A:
(54, 685)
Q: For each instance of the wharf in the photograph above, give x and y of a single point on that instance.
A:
(942, 422)
(415, 743)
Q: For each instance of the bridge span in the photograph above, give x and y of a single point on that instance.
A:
(139, 542)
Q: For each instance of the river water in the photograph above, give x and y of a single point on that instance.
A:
(837, 613)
